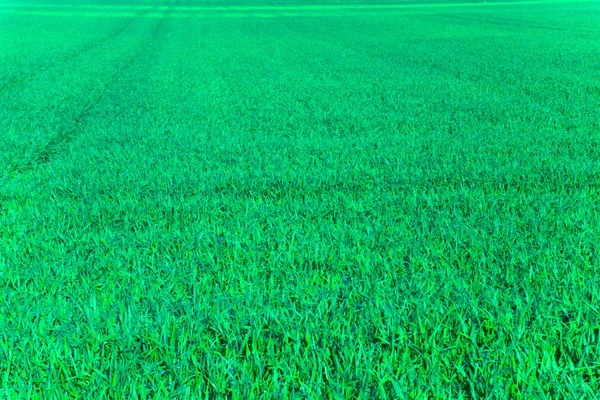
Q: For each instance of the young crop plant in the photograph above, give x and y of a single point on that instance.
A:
(284, 200)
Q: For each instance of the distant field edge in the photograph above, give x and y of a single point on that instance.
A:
(314, 6)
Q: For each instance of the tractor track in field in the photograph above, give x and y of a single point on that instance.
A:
(494, 20)
(46, 152)
(71, 55)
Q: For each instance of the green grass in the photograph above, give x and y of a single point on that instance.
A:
(299, 200)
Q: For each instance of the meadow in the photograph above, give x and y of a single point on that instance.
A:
(299, 199)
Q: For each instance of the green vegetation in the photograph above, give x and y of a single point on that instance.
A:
(299, 200)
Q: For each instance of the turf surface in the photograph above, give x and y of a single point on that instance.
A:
(299, 199)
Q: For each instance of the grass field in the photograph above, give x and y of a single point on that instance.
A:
(310, 200)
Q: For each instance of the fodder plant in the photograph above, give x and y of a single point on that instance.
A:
(346, 200)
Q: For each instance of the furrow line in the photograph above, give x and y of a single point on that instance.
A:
(23, 77)
(52, 148)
